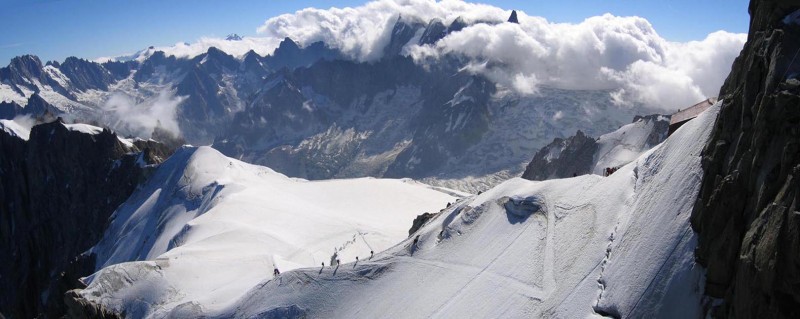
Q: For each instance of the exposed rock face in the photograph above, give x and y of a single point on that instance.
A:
(660, 128)
(78, 307)
(747, 210)
(419, 221)
(57, 191)
(581, 154)
(85, 75)
(513, 17)
(402, 32)
(9, 110)
(563, 158)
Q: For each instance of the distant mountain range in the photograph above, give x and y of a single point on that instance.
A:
(309, 111)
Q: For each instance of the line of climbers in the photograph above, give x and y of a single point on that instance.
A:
(277, 272)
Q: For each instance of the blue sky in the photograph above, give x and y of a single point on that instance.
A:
(56, 29)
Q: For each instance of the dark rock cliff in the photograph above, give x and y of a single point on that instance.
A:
(747, 213)
(575, 156)
(57, 191)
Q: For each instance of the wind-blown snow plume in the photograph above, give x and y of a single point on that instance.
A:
(624, 54)
(140, 118)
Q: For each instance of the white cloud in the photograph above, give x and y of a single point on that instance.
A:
(261, 45)
(623, 54)
(140, 118)
(363, 31)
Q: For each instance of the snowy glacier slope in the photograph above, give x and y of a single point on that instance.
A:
(580, 247)
(206, 228)
(587, 246)
(625, 144)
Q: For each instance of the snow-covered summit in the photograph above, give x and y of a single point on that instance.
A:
(207, 228)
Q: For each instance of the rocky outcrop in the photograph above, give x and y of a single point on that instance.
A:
(419, 221)
(563, 158)
(660, 128)
(747, 210)
(581, 154)
(86, 75)
(57, 192)
(9, 110)
(78, 307)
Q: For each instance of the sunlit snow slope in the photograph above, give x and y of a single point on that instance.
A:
(624, 145)
(206, 228)
(580, 247)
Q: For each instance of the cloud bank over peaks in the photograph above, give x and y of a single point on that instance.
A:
(235, 47)
(622, 54)
(362, 32)
(139, 118)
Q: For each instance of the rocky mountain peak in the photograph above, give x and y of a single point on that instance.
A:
(287, 45)
(513, 17)
(85, 75)
(434, 31)
(26, 66)
(403, 31)
(458, 24)
(233, 37)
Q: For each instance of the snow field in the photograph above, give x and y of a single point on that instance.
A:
(580, 247)
(206, 228)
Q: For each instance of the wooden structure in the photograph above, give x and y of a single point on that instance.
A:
(685, 115)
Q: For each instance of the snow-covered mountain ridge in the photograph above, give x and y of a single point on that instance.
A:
(580, 154)
(565, 248)
(208, 228)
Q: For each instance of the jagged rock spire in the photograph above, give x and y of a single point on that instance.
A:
(513, 17)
